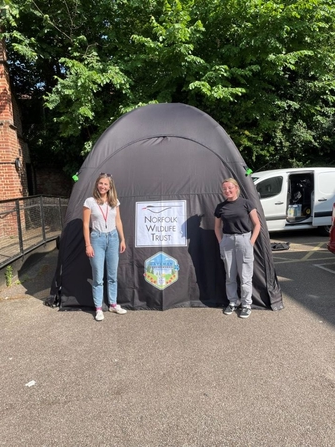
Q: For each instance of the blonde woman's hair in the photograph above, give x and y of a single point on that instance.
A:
(234, 182)
(111, 194)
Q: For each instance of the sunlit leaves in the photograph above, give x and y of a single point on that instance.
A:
(75, 94)
(264, 69)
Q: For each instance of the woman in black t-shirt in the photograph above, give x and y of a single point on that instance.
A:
(237, 227)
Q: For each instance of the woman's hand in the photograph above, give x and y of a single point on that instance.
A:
(86, 230)
(89, 251)
(218, 229)
(122, 246)
(256, 224)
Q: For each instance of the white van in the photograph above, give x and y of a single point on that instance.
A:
(297, 198)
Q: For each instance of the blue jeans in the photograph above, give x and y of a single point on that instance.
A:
(237, 254)
(106, 249)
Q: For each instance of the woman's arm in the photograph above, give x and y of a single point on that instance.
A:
(256, 226)
(86, 231)
(218, 229)
(119, 227)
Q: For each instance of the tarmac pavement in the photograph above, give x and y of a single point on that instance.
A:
(178, 378)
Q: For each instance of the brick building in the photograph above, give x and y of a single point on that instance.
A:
(18, 178)
(14, 152)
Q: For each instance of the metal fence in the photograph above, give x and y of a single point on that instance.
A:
(28, 223)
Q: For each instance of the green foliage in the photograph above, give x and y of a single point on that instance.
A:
(265, 70)
(75, 94)
(9, 275)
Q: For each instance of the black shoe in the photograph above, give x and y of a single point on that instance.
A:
(245, 312)
(229, 310)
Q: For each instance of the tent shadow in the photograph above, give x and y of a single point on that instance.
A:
(36, 273)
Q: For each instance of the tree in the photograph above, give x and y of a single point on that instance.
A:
(263, 69)
(281, 55)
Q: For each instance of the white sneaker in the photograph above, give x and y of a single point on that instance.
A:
(117, 309)
(99, 315)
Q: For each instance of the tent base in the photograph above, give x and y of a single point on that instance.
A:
(68, 304)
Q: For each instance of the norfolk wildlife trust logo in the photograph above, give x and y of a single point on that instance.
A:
(161, 224)
(161, 270)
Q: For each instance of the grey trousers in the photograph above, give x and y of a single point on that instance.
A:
(237, 254)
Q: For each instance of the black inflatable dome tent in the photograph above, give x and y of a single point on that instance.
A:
(168, 162)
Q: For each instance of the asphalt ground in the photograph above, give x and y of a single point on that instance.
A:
(178, 378)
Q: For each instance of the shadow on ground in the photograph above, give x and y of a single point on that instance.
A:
(33, 278)
(306, 272)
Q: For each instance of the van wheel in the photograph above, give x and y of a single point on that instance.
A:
(324, 231)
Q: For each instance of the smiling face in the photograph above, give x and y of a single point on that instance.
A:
(104, 190)
(230, 191)
(103, 186)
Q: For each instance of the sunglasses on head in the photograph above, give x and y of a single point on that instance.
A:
(106, 174)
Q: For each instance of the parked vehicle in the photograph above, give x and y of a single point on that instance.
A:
(331, 242)
(297, 198)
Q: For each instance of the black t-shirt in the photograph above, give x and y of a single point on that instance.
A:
(235, 215)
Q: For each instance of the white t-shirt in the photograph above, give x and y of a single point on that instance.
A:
(102, 216)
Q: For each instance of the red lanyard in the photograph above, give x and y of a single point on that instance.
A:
(105, 216)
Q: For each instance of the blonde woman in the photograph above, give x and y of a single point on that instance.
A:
(237, 227)
(104, 240)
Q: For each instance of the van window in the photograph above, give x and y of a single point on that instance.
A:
(269, 187)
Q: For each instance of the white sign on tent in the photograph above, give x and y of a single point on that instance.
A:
(161, 224)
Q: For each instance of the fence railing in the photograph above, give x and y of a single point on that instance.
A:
(28, 223)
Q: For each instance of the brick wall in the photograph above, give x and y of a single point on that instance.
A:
(13, 181)
(12, 146)
(53, 182)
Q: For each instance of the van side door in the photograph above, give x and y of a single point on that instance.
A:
(324, 197)
(273, 194)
